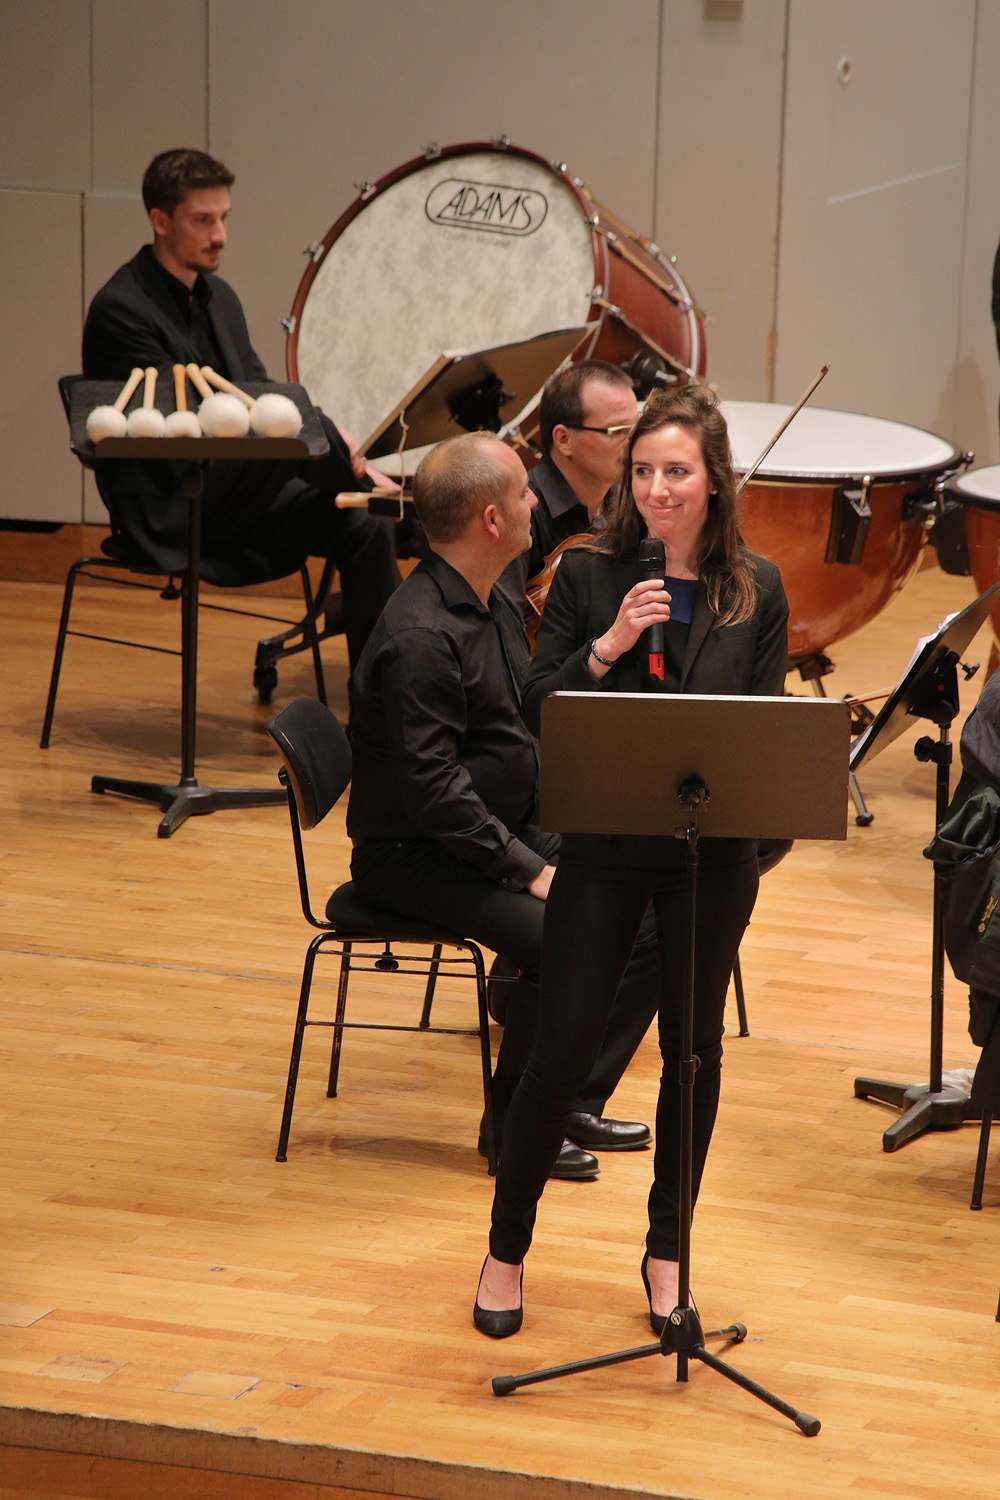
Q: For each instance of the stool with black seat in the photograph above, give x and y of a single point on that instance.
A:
(316, 771)
(241, 569)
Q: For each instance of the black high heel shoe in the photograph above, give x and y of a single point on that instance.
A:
(657, 1321)
(498, 1324)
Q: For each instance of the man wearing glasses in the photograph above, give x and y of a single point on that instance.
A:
(585, 415)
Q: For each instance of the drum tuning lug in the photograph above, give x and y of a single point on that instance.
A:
(365, 190)
(559, 167)
(672, 259)
(288, 324)
(653, 248)
(431, 151)
(612, 237)
(314, 251)
(578, 182)
(501, 142)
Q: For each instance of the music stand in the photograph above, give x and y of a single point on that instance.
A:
(928, 689)
(696, 778)
(465, 392)
(187, 797)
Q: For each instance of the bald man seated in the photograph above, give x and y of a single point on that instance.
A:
(443, 799)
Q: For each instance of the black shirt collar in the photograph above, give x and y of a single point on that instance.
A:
(201, 292)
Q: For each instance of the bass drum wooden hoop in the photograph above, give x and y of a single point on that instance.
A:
(467, 248)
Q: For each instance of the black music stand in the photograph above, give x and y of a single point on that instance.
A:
(928, 689)
(186, 797)
(466, 392)
(726, 767)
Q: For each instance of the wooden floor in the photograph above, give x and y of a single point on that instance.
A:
(184, 1317)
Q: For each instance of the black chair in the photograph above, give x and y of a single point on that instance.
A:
(770, 852)
(120, 557)
(316, 770)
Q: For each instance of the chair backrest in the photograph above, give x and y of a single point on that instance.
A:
(66, 384)
(316, 755)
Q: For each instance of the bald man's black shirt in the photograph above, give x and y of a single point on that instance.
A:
(440, 749)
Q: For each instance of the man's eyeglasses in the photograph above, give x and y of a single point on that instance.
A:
(615, 433)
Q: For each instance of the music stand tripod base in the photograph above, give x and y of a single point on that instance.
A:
(923, 1108)
(187, 799)
(682, 1335)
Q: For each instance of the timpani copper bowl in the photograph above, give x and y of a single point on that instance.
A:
(842, 504)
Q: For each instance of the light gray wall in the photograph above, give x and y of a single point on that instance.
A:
(813, 219)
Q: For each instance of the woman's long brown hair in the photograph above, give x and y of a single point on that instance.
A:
(723, 561)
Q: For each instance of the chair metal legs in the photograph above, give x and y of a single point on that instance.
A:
(984, 1146)
(81, 566)
(302, 636)
(269, 651)
(741, 1007)
(386, 963)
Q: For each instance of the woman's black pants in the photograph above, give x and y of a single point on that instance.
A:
(592, 916)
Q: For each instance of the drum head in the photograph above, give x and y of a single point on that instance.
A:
(831, 445)
(465, 252)
(979, 488)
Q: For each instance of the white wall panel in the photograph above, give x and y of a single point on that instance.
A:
(39, 478)
(717, 175)
(45, 94)
(976, 382)
(872, 203)
(149, 85)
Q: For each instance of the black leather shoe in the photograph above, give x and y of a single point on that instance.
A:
(598, 1134)
(571, 1165)
(498, 1325)
(574, 1165)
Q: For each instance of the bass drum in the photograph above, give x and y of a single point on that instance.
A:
(978, 493)
(467, 248)
(841, 504)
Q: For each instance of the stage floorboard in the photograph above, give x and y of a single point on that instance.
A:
(181, 1316)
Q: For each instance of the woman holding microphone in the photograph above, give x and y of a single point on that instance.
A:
(723, 615)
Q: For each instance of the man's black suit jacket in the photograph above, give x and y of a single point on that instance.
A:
(133, 320)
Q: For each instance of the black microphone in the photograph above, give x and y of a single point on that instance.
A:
(653, 563)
